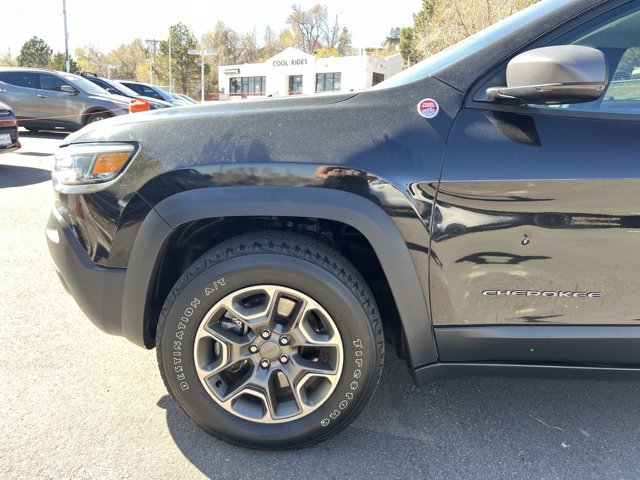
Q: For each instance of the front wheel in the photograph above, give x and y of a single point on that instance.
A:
(271, 340)
(96, 117)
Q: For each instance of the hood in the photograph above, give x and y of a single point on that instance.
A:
(155, 101)
(109, 97)
(118, 128)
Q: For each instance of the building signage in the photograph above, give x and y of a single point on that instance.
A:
(294, 62)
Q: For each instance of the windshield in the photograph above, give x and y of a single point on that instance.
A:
(469, 45)
(165, 95)
(84, 84)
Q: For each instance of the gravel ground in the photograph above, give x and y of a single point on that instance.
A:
(77, 403)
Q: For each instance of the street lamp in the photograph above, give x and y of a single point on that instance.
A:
(109, 67)
(154, 45)
(202, 53)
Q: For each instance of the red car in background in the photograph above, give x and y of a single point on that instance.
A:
(8, 129)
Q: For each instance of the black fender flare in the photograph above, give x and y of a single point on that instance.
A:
(237, 201)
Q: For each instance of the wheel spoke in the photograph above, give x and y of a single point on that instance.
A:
(257, 385)
(304, 366)
(306, 336)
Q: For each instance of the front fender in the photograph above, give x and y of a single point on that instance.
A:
(238, 201)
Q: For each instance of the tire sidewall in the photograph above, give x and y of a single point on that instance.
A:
(97, 117)
(201, 288)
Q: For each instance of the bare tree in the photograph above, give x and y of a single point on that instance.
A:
(225, 41)
(271, 43)
(248, 47)
(331, 32)
(90, 59)
(7, 60)
(308, 26)
(130, 59)
(441, 23)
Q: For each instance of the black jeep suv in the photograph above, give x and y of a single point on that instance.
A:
(479, 208)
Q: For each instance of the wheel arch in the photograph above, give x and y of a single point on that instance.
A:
(335, 205)
(92, 110)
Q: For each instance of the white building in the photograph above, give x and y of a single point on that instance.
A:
(293, 71)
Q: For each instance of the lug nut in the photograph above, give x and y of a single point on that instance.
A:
(265, 334)
(284, 359)
(265, 363)
(284, 340)
(253, 348)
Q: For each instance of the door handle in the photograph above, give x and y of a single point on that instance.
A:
(41, 96)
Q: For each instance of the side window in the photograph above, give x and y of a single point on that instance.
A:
(136, 88)
(618, 38)
(18, 79)
(150, 92)
(623, 93)
(102, 84)
(51, 82)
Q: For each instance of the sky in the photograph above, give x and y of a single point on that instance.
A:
(106, 24)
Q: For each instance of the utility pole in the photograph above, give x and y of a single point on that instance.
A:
(66, 36)
(202, 53)
(154, 45)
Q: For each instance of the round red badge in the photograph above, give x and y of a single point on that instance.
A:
(428, 108)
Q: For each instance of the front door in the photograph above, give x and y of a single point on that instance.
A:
(538, 211)
(56, 106)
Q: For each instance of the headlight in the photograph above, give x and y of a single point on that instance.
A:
(90, 163)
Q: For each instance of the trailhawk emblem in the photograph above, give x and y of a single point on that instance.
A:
(539, 293)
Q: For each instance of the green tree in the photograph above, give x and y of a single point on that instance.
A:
(35, 53)
(185, 68)
(394, 33)
(59, 62)
(344, 42)
(406, 46)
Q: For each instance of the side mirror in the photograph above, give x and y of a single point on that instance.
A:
(68, 89)
(553, 75)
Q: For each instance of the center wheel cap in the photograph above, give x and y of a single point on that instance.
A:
(270, 350)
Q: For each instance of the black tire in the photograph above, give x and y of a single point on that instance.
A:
(290, 261)
(96, 117)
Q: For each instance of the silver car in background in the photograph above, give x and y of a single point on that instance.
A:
(46, 99)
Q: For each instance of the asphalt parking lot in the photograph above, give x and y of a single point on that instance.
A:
(77, 403)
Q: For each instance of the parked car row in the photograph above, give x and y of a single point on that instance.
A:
(153, 91)
(46, 99)
(117, 88)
